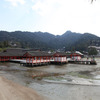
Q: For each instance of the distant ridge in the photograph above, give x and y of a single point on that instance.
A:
(47, 41)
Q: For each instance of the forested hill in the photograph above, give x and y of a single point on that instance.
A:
(68, 40)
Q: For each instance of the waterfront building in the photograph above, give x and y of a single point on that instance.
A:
(32, 57)
(74, 55)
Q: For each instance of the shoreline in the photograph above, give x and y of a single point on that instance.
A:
(10, 90)
(53, 90)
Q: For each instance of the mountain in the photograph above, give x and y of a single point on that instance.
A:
(69, 38)
(86, 40)
(45, 40)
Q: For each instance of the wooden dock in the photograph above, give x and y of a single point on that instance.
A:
(58, 63)
(31, 63)
(34, 63)
(92, 62)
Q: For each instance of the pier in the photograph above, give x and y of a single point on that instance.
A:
(30, 63)
(92, 62)
(47, 62)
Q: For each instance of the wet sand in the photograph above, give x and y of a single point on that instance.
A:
(12, 91)
(78, 82)
(67, 91)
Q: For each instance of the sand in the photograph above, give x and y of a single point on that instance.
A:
(12, 91)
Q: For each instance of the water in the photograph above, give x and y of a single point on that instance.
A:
(59, 90)
(79, 82)
(67, 92)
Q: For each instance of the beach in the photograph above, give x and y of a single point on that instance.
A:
(51, 82)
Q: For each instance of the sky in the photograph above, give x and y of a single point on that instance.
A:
(53, 16)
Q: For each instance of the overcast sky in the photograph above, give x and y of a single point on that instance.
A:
(53, 16)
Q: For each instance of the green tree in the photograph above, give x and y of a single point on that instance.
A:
(1, 45)
(92, 51)
(5, 43)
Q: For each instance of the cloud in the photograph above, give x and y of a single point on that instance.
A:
(60, 15)
(16, 2)
(44, 7)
